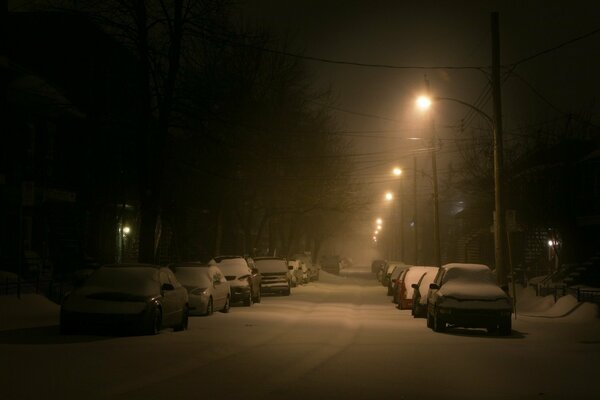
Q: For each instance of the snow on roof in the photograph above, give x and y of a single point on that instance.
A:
(470, 282)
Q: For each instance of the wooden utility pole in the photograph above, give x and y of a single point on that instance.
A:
(416, 209)
(499, 219)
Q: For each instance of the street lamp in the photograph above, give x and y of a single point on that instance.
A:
(499, 220)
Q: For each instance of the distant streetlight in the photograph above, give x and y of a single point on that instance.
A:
(379, 221)
(389, 196)
(397, 171)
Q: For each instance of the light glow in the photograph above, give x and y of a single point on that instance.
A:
(423, 102)
(397, 171)
(389, 196)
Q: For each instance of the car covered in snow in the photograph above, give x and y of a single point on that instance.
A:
(275, 273)
(395, 277)
(405, 290)
(243, 279)
(299, 271)
(386, 273)
(312, 268)
(143, 298)
(208, 290)
(420, 289)
(467, 295)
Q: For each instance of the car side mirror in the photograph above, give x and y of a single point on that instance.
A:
(167, 286)
(414, 286)
(434, 286)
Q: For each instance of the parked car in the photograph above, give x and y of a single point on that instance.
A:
(376, 265)
(244, 280)
(299, 272)
(207, 288)
(419, 303)
(391, 266)
(467, 295)
(393, 283)
(140, 297)
(312, 269)
(276, 277)
(405, 289)
(331, 263)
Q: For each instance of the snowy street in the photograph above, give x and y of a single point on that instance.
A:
(339, 338)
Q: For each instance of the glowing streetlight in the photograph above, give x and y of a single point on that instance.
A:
(397, 171)
(379, 221)
(423, 102)
(126, 230)
(389, 196)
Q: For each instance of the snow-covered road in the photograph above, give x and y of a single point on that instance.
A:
(340, 338)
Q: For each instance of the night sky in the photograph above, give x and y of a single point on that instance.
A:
(443, 33)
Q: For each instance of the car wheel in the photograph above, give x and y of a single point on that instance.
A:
(505, 326)
(248, 301)
(429, 320)
(155, 322)
(183, 325)
(209, 307)
(439, 325)
(227, 306)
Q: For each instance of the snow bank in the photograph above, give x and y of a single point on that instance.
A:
(566, 307)
(6, 276)
(30, 310)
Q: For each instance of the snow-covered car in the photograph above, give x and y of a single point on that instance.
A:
(299, 272)
(140, 297)
(467, 295)
(419, 303)
(207, 288)
(387, 273)
(312, 269)
(275, 275)
(377, 265)
(405, 290)
(244, 280)
(396, 274)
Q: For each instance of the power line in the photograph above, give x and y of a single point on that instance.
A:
(551, 49)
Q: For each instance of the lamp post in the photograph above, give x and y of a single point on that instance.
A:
(398, 173)
(499, 218)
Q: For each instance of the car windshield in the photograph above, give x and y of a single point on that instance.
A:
(234, 266)
(271, 265)
(134, 280)
(470, 275)
(193, 276)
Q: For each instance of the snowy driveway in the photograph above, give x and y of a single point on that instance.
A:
(340, 338)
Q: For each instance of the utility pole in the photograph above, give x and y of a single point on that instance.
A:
(499, 219)
(416, 208)
(436, 211)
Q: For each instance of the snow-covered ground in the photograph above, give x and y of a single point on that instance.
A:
(339, 338)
